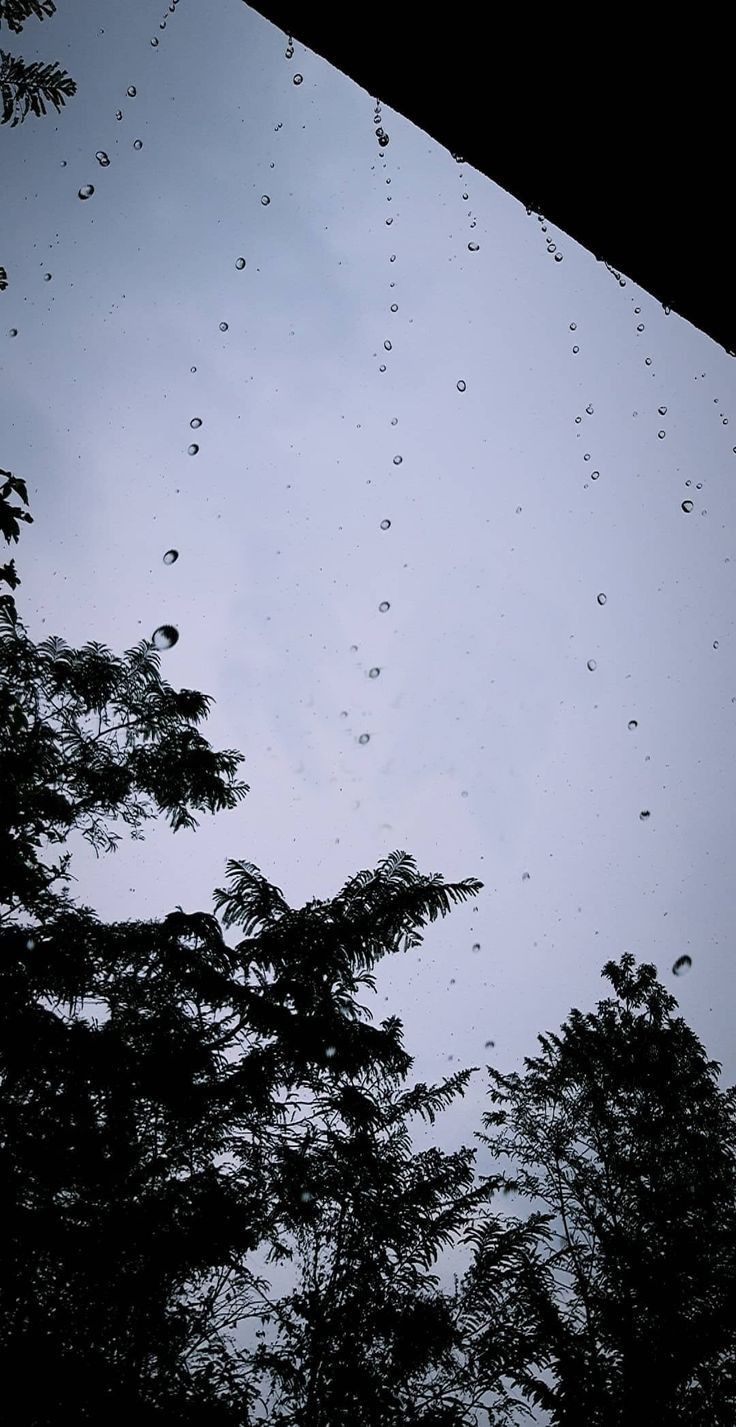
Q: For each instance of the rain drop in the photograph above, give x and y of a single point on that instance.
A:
(383, 606)
(592, 665)
(364, 738)
(394, 306)
(394, 420)
(715, 643)
(47, 277)
(473, 247)
(385, 524)
(223, 326)
(265, 200)
(687, 506)
(461, 386)
(298, 79)
(154, 42)
(240, 264)
(525, 876)
(594, 475)
(373, 673)
(573, 326)
(647, 361)
(171, 557)
(195, 423)
(193, 449)
(102, 158)
(476, 946)
(559, 257)
(682, 965)
(119, 114)
(575, 351)
(644, 814)
(131, 91)
(601, 598)
(398, 460)
(382, 367)
(165, 637)
(387, 346)
(86, 190)
(192, 369)
(661, 435)
(590, 408)
(662, 410)
(632, 725)
(640, 327)
(13, 332)
(138, 144)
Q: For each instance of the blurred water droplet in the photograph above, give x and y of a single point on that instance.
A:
(119, 114)
(298, 79)
(171, 557)
(154, 42)
(715, 643)
(476, 946)
(223, 326)
(138, 144)
(373, 673)
(590, 408)
(394, 420)
(165, 637)
(385, 524)
(575, 350)
(102, 158)
(193, 449)
(473, 247)
(240, 264)
(195, 423)
(461, 386)
(578, 420)
(682, 965)
(192, 369)
(47, 277)
(13, 332)
(573, 326)
(265, 200)
(392, 259)
(525, 876)
(647, 361)
(382, 367)
(687, 506)
(632, 724)
(592, 665)
(364, 738)
(601, 598)
(86, 190)
(131, 91)
(644, 814)
(398, 460)
(383, 606)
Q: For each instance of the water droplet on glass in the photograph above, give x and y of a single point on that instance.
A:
(392, 259)
(119, 114)
(592, 665)
(223, 326)
(13, 332)
(171, 557)
(47, 277)
(131, 91)
(601, 598)
(682, 965)
(575, 350)
(195, 423)
(364, 738)
(473, 247)
(165, 637)
(240, 264)
(192, 369)
(154, 42)
(640, 327)
(590, 408)
(461, 386)
(594, 475)
(647, 361)
(387, 345)
(298, 79)
(662, 410)
(394, 306)
(193, 449)
(138, 144)
(265, 200)
(573, 326)
(86, 190)
(687, 506)
(102, 158)
(382, 367)
(715, 643)
(578, 419)
(383, 606)
(644, 814)
(385, 524)
(525, 876)
(661, 435)
(373, 673)
(398, 460)
(559, 257)
(632, 724)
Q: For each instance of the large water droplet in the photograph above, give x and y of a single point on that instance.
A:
(102, 158)
(131, 91)
(385, 524)
(240, 264)
(601, 598)
(461, 386)
(682, 965)
(298, 79)
(383, 606)
(687, 506)
(195, 423)
(265, 200)
(86, 190)
(193, 449)
(592, 665)
(165, 637)
(171, 557)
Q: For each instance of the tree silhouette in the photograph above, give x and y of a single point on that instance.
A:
(29, 87)
(614, 1302)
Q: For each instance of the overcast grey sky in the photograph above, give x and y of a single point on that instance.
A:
(493, 750)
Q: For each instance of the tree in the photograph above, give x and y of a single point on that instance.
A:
(614, 1302)
(28, 88)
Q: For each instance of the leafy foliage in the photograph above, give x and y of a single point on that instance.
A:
(14, 13)
(27, 87)
(615, 1300)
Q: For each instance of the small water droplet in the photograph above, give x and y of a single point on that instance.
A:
(119, 114)
(192, 369)
(687, 506)
(590, 408)
(373, 673)
(240, 264)
(575, 350)
(473, 247)
(193, 449)
(394, 420)
(647, 361)
(592, 665)
(223, 326)
(578, 420)
(632, 724)
(661, 435)
(586, 457)
(394, 306)
(715, 643)
(640, 327)
(559, 257)
(154, 42)
(47, 277)
(102, 158)
(385, 524)
(525, 876)
(573, 326)
(398, 460)
(601, 598)
(298, 79)
(594, 475)
(171, 557)
(682, 965)
(662, 410)
(13, 332)
(265, 200)
(131, 91)
(195, 423)
(644, 814)
(364, 738)
(138, 144)
(86, 190)
(392, 259)
(387, 345)
(382, 367)
(383, 606)
(165, 637)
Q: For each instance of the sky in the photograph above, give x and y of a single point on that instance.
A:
(404, 343)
